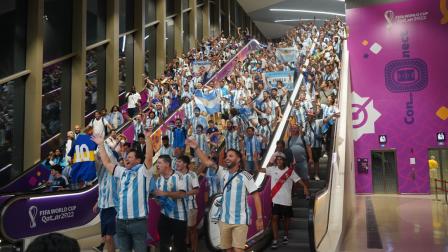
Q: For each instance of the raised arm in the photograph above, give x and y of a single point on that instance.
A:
(99, 140)
(149, 148)
(202, 156)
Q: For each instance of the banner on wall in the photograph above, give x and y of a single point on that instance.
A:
(391, 66)
(285, 55)
(287, 77)
(201, 66)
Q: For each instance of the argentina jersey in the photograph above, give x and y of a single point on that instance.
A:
(107, 183)
(191, 183)
(214, 183)
(133, 191)
(234, 205)
(174, 183)
(108, 189)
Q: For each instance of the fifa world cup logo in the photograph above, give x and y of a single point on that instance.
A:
(32, 212)
(389, 16)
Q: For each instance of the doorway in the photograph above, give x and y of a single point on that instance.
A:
(384, 171)
(438, 165)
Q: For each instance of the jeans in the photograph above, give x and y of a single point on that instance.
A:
(301, 168)
(172, 228)
(131, 234)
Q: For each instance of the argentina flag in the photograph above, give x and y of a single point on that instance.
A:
(207, 101)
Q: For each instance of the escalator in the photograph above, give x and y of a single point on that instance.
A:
(30, 214)
(26, 213)
(311, 219)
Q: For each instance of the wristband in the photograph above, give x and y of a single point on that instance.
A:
(259, 218)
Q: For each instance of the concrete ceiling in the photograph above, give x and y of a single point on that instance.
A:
(264, 19)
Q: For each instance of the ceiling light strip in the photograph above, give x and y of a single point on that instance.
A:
(309, 11)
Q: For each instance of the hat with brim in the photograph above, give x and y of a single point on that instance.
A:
(280, 154)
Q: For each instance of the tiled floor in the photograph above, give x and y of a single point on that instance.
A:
(405, 223)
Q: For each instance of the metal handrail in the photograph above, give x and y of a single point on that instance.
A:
(325, 190)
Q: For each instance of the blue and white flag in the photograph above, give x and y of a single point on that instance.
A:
(287, 77)
(207, 101)
(286, 55)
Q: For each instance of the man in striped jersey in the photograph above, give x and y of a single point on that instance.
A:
(202, 140)
(231, 137)
(237, 185)
(192, 188)
(107, 202)
(173, 219)
(134, 180)
(264, 133)
(252, 148)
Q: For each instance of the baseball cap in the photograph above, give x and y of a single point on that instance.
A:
(279, 154)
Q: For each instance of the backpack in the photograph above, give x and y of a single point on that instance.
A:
(106, 131)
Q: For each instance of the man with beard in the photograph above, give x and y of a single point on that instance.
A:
(237, 185)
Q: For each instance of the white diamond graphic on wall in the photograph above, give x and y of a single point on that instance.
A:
(376, 48)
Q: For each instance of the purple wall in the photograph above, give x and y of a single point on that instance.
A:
(399, 76)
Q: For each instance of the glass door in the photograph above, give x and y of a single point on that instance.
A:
(437, 165)
(384, 171)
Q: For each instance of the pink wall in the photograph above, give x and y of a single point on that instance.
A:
(399, 74)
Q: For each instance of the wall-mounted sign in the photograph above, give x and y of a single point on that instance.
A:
(382, 139)
(441, 138)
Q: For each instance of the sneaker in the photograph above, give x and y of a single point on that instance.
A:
(316, 177)
(285, 240)
(274, 244)
(99, 248)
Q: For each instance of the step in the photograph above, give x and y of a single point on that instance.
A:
(292, 247)
(298, 236)
(300, 212)
(298, 223)
(300, 201)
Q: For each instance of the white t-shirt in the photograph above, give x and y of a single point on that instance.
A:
(283, 197)
(133, 100)
(98, 126)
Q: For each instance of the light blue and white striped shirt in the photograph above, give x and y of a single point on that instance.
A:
(107, 189)
(265, 133)
(174, 183)
(191, 182)
(214, 183)
(134, 190)
(167, 151)
(189, 110)
(201, 139)
(252, 145)
(232, 140)
(235, 209)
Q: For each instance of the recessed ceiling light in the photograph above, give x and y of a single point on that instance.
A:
(309, 11)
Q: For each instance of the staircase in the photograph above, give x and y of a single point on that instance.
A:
(298, 226)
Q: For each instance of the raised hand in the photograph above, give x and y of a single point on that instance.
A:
(98, 139)
(191, 142)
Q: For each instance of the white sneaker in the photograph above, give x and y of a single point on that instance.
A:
(316, 177)
(274, 244)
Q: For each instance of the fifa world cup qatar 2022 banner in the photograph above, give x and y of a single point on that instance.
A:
(399, 77)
